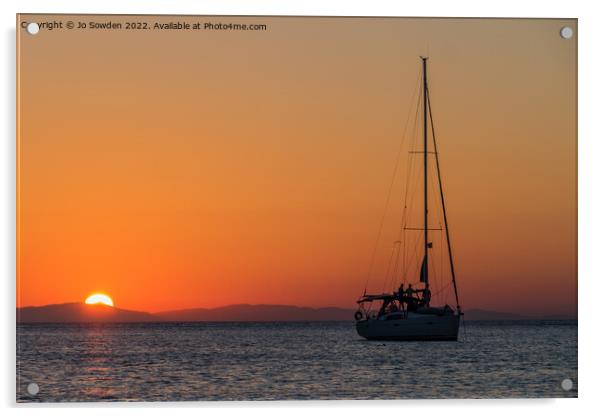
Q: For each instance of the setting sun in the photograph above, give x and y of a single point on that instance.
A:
(99, 298)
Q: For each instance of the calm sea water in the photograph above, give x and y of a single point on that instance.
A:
(279, 361)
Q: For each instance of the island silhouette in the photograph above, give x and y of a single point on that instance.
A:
(79, 312)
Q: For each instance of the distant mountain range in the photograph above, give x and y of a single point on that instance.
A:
(80, 312)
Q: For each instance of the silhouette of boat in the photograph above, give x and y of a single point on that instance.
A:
(407, 314)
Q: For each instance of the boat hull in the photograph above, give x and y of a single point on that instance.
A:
(416, 328)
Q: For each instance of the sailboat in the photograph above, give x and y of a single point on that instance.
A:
(407, 314)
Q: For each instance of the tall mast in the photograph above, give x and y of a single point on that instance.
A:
(425, 124)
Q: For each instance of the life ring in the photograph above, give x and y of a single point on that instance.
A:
(358, 315)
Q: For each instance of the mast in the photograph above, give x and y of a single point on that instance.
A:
(425, 124)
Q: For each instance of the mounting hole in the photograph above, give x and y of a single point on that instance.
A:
(567, 384)
(566, 32)
(33, 389)
(33, 28)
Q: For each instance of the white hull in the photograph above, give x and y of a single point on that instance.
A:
(416, 327)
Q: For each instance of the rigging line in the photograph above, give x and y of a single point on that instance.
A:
(391, 277)
(403, 273)
(407, 259)
(410, 159)
(404, 214)
(396, 267)
(441, 254)
(403, 251)
(411, 171)
(403, 263)
(449, 249)
(435, 196)
(415, 238)
(382, 221)
(437, 273)
(434, 272)
(389, 266)
(418, 261)
(403, 222)
(410, 187)
(410, 266)
(443, 289)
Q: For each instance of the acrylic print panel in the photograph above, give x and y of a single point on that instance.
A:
(275, 208)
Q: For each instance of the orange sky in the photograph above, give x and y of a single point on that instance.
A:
(176, 169)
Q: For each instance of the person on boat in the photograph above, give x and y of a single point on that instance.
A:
(410, 299)
(400, 293)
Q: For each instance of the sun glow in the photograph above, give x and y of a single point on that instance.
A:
(99, 298)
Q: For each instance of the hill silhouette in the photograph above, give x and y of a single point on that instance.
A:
(80, 312)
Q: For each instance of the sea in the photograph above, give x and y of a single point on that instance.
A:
(290, 361)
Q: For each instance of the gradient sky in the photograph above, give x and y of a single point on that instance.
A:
(179, 169)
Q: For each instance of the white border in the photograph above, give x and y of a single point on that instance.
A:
(590, 202)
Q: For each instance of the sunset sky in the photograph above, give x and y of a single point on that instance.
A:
(179, 169)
